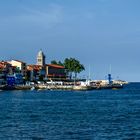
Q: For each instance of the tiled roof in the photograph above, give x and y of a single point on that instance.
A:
(1, 66)
(34, 67)
(56, 66)
(4, 63)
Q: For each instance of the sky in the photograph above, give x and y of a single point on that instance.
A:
(99, 33)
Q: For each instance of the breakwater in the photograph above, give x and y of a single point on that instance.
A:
(60, 87)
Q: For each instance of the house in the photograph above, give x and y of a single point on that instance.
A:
(2, 75)
(10, 80)
(21, 66)
(5, 68)
(35, 72)
(56, 72)
(14, 79)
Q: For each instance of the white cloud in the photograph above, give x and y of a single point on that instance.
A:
(47, 18)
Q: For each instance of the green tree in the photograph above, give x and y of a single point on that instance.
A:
(53, 62)
(57, 63)
(60, 63)
(73, 66)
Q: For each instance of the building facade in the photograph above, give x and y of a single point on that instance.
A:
(5, 68)
(21, 66)
(35, 72)
(56, 72)
(14, 79)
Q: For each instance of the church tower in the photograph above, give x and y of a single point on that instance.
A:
(40, 58)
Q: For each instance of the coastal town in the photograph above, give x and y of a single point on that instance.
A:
(16, 74)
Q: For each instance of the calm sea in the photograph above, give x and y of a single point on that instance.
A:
(66, 115)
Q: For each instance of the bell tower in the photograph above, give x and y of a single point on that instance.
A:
(40, 58)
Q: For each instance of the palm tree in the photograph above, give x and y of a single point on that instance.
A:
(73, 66)
(78, 69)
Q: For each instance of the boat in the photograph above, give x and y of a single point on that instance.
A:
(33, 88)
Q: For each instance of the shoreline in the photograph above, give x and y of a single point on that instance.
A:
(61, 87)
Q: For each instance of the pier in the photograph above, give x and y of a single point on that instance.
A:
(76, 87)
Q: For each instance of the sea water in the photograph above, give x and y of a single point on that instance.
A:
(66, 115)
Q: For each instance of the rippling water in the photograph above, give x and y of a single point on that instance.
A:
(57, 115)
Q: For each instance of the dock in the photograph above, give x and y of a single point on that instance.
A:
(62, 87)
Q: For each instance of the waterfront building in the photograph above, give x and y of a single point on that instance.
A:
(21, 66)
(2, 75)
(10, 80)
(35, 72)
(18, 78)
(2, 79)
(47, 71)
(56, 72)
(5, 68)
(40, 58)
(39, 72)
(14, 79)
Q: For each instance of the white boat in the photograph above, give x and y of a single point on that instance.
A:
(33, 88)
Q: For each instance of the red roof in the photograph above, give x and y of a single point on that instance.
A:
(34, 67)
(4, 64)
(1, 66)
(56, 66)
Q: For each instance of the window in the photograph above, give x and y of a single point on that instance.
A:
(39, 60)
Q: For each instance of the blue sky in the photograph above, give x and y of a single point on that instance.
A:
(99, 33)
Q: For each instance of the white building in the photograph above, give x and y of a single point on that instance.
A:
(20, 65)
